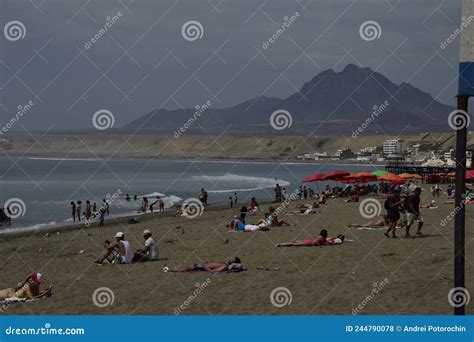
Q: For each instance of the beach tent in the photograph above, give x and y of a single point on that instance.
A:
(336, 175)
(380, 173)
(314, 177)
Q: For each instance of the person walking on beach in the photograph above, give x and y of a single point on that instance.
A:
(88, 211)
(305, 192)
(278, 192)
(78, 210)
(231, 202)
(393, 207)
(235, 198)
(412, 208)
(101, 217)
(94, 207)
(73, 211)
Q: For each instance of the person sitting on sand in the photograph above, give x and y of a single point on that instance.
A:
(119, 252)
(304, 209)
(321, 240)
(30, 289)
(232, 265)
(253, 205)
(275, 222)
(322, 199)
(150, 252)
(383, 222)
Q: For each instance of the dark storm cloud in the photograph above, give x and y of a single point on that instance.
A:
(142, 62)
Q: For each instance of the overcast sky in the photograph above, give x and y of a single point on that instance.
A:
(143, 61)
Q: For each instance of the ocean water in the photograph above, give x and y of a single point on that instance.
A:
(46, 186)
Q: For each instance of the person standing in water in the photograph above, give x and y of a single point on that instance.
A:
(88, 211)
(73, 211)
(78, 210)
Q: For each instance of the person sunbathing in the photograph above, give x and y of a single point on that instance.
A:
(383, 222)
(273, 218)
(431, 205)
(30, 289)
(239, 225)
(232, 265)
(304, 209)
(321, 240)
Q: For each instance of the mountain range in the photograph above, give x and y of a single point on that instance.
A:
(330, 103)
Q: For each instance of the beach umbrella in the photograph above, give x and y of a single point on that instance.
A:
(314, 177)
(379, 173)
(409, 176)
(335, 175)
(392, 178)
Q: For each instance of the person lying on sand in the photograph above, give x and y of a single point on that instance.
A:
(431, 205)
(30, 289)
(383, 222)
(232, 265)
(304, 209)
(119, 252)
(321, 240)
(239, 225)
(150, 252)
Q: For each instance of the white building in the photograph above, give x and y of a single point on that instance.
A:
(394, 146)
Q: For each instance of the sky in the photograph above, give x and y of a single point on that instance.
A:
(144, 60)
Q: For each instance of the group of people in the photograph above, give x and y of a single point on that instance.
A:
(157, 202)
(90, 211)
(120, 251)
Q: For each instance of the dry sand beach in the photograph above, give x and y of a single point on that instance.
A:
(417, 273)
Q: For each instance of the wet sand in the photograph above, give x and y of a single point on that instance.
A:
(417, 273)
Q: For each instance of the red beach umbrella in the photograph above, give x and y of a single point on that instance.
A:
(392, 178)
(336, 175)
(314, 177)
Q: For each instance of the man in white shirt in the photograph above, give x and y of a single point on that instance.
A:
(119, 252)
(150, 252)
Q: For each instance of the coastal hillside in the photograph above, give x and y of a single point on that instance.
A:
(205, 147)
(331, 102)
